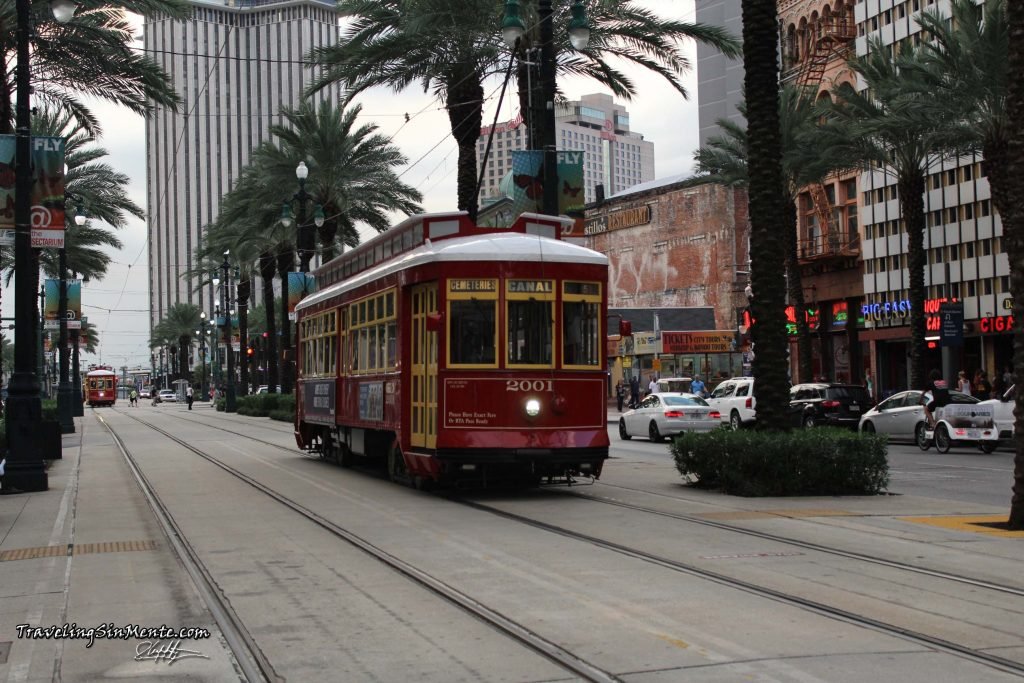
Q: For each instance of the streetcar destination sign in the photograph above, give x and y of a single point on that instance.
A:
(471, 285)
(530, 286)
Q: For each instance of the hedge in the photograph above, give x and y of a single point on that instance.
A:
(821, 461)
(274, 406)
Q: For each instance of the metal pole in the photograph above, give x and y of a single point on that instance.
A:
(229, 404)
(77, 408)
(41, 356)
(547, 84)
(25, 470)
(65, 395)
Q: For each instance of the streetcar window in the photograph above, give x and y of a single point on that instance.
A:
(529, 332)
(580, 323)
(472, 331)
(417, 234)
(387, 248)
(392, 350)
(389, 304)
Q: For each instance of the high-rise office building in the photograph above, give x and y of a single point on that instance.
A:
(235, 64)
(613, 155)
(719, 78)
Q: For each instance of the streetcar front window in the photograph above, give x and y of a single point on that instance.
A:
(472, 332)
(581, 324)
(529, 332)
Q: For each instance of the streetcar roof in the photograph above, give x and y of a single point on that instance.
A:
(101, 373)
(513, 246)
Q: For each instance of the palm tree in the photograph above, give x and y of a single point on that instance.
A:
(892, 125)
(724, 161)
(966, 65)
(766, 210)
(178, 326)
(91, 55)
(1013, 229)
(451, 48)
(351, 171)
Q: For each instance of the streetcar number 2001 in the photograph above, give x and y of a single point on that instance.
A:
(528, 385)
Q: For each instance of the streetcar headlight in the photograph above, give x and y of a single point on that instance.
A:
(533, 407)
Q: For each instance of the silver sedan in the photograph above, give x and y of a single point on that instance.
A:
(661, 415)
(899, 415)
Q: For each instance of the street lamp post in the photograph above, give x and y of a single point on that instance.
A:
(65, 394)
(229, 403)
(513, 31)
(306, 243)
(201, 335)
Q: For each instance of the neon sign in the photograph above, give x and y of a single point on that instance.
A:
(996, 324)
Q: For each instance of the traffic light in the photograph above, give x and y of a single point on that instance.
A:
(249, 351)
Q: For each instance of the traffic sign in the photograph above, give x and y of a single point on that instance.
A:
(951, 329)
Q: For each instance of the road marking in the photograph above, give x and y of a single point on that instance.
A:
(969, 523)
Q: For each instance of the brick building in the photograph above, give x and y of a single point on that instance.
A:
(670, 246)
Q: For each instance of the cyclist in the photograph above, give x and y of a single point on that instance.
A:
(935, 396)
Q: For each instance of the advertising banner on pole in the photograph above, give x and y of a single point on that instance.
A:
(528, 182)
(51, 309)
(299, 286)
(47, 213)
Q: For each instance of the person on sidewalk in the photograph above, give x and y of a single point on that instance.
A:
(620, 394)
(133, 399)
(697, 387)
(189, 397)
(935, 396)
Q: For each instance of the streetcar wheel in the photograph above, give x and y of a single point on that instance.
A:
(734, 421)
(869, 428)
(623, 434)
(654, 433)
(988, 446)
(942, 440)
(921, 436)
(396, 465)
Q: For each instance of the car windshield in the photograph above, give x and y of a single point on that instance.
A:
(684, 401)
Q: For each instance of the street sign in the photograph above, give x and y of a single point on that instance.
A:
(951, 329)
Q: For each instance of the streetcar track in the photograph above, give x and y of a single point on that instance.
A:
(977, 655)
(516, 631)
(933, 642)
(807, 545)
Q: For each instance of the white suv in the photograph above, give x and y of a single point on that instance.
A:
(734, 399)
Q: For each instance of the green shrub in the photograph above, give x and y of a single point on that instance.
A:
(282, 415)
(220, 404)
(274, 406)
(819, 461)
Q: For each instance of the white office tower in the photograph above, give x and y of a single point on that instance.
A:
(613, 155)
(235, 64)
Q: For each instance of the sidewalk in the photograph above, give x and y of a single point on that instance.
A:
(90, 552)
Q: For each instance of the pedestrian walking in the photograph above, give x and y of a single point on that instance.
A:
(652, 387)
(634, 391)
(963, 385)
(697, 387)
(982, 386)
(133, 399)
(189, 397)
(620, 394)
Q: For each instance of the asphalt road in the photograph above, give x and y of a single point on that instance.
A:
(964, 474)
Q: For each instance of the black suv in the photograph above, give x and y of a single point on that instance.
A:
(835, 405)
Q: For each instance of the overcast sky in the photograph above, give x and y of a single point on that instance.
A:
(119, 304)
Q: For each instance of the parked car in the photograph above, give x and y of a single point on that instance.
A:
(734, 400)
(1003, 412)
(144, 393)
(167, 396)
(263, 388)
(674, 385)
(661, 415)
(835, 405)
(899, 415)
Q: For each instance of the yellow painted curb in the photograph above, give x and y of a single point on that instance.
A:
(969, 523)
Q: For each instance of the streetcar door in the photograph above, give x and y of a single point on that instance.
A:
(423, 380)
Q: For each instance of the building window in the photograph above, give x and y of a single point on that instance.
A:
(954, 253)
(894, 263)
(936, 181)
(987, 285)
(951, 177)
(986, 247)
(951, 215)
(968, 172)
(969, 250)
(937, 255)
(1004, 283)
(985, 207)
(968, 212)
(869, 232)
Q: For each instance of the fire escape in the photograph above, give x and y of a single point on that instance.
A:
(831, 39)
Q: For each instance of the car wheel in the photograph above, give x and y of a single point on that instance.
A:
(868, 428)
(623, 434)
(734, 421)
(988, 446)
(808, 422)
(654, 432)
(921, 436)
(942, 440)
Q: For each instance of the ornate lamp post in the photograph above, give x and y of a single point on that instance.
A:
(513, 31)
(201, 335)
(306, 243)
(25, 470)
(65, 394)
(229, 404)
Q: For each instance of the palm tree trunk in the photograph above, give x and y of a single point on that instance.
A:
(465, 113)
(1008, 196)
(326, 234)
(796, 295)
(244, 291)
(767, 213)
(911, 192)
(285, 259)
(267, 267)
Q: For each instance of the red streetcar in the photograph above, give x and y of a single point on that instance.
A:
(459, 353)
(100, 387)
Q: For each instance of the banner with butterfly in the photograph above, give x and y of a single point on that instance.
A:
(47, 196)
(528, 182)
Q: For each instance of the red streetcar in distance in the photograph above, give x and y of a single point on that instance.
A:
(100, 387)
(460, 353)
